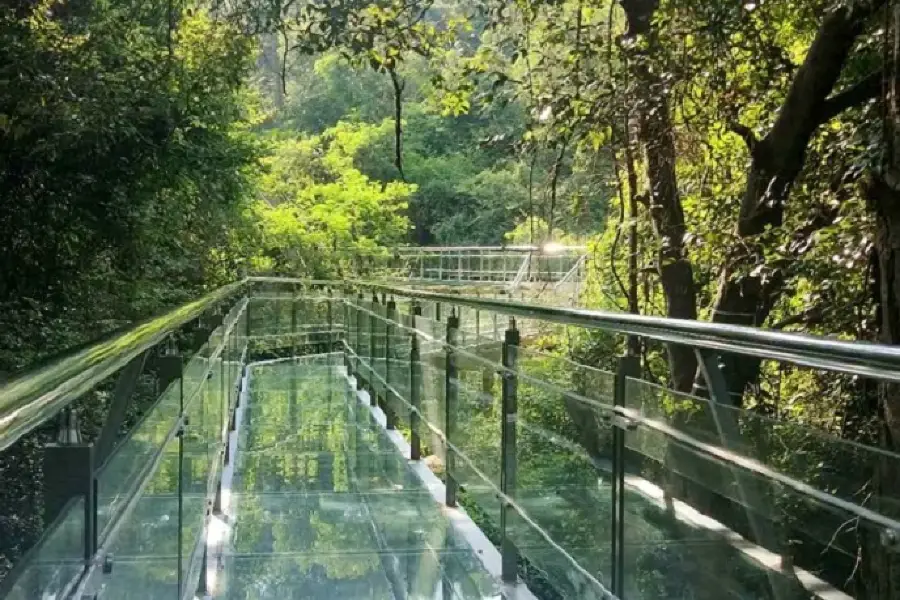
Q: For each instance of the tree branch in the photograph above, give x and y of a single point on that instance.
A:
(858, 93)
(745, 134)
(398, 86)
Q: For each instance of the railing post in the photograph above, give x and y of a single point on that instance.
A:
(358, 350)
(415, 381)
(330, 322)
(346, 330)
(247, 322)
(294, 297)
(628, 366)
(508, 552)
(373, 396)
(451, 391)
(390, 315)
(69, 467)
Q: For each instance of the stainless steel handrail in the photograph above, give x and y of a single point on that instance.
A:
(35, 396)
(32, 398)
(858, 358)
(717, 453)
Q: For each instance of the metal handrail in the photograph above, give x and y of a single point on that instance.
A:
(35, 396)
(32, 398)
(711, 451)
(867, 359)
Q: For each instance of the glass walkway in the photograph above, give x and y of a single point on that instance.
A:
(324, 506)
(290, 439)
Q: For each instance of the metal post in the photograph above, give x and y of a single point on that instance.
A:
(181, 491)
(508, 552)
(415, 380)
(628, 366)
(69, 468)
(277, 310)
(224, 403)
(451, 391)
(202, 591)
(358, 349)
(390, 312)
(373, 396)
(440, 265)
(459, 269)
(294, 319)
(346, 331)
(247, 321)
(330, 322)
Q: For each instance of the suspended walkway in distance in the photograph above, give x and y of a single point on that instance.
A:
(365, 440)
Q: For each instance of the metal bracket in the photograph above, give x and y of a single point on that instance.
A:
(890, 540)
(119, 405)
(622, 422)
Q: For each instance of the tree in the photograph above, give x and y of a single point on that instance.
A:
(124, 153)
(314, 204)
(883, 577)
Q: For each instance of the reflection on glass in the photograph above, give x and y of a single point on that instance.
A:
(326, 507)
(778, 544)
(57, 561)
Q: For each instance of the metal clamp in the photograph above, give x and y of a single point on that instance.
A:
(890, 540)
(622, 422)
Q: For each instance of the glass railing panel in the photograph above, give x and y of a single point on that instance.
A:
(122, 472)
(145, 547)
(433, 389)
(564, 475)
(841, 467)
(769, 525)
(399, 371)
(377, 329)
(195, 373)
(271, 314)
(364, 348)
(199, 466)
(476, 417)
(753, 496)
(54, 565)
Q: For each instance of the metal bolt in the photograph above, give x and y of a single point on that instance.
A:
(624, 423)
(890, 539)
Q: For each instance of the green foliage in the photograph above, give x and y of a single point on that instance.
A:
(313, 202)
(124, 160)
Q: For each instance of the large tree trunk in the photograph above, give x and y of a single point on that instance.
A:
(657, 135)
(880, 579)
(748, 288)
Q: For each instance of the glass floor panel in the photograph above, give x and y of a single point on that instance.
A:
(325, 506)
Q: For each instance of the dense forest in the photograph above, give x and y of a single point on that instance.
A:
(737, 162)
